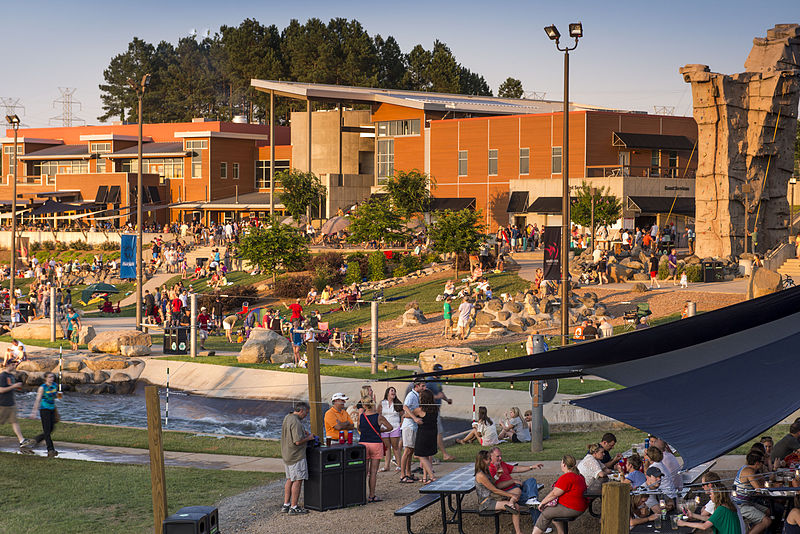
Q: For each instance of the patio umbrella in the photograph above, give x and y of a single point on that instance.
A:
(334, 225)
(91, 289)
(416, 225)
(291, 222)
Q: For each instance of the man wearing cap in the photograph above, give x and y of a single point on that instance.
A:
(202, 326)
(337, 418)
(409, 429)
(653, 477)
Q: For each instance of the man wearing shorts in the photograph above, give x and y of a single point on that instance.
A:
(409, 429)
(227, 325)
(464, 318)
(202, 326)
(435, 386)
(8, 409)
(293, 452)
(745, 484)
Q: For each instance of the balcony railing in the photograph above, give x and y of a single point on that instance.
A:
(31, 180)
(606, 171)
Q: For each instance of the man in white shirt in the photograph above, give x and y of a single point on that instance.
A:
(464, 319)
(606, 330)
(670, 462)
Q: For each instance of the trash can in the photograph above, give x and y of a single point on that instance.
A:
(354, 477)
(323, 489)
(708, 272)
(176, 340)
(719, 271)
(192, 520)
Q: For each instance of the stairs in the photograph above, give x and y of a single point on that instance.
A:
(790, 267)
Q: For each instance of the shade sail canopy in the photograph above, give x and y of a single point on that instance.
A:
(334, 225)
(101, 287)
(53, 206)
(706, 412)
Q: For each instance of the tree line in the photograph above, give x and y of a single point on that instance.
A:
(210, 77)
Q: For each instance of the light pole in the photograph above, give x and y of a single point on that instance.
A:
(13, 120)
(139, 89)
(792, 181)
(576, 31)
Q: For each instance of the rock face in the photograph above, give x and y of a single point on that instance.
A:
(99, 363)
(39, 365)
(86, 334)
(765, 282)
(448, 357)
(111, 342)
(746, 132)
(265, 346)
(36, 330)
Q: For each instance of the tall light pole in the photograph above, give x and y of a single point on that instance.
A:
(13, 120)
(576, 31)
(140, 89)
(792, 181)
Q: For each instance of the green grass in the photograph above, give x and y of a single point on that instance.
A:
(44, 496)
(215, 343)
(63, 343)
(137, 438)
(236, 278)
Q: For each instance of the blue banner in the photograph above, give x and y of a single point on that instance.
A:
(127, 260)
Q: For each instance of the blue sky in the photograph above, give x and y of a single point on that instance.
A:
(629, 57)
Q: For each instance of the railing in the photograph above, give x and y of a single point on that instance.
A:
(606, 171)
(30, 180)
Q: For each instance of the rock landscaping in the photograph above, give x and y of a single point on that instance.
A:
(85, 374)
(125, 342)
(265, 346)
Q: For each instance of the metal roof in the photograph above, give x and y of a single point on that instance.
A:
(246, 201)
(651, 141)
(483, 105)
(174, 148)
(59, 152)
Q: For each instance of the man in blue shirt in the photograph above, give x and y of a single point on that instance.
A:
(435, 387)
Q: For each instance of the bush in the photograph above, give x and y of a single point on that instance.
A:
(108, 245)
(400, 270)
(411, 262)
(301, 264)
(48, 245)
(79, 245)
(35, 246)
(353, 275)
(663, 271)
(293, 286)
(377, 266)
(325, 276)
(234, 297)
(694, 272)
(432, 257)
(332, 260)
(61, 246)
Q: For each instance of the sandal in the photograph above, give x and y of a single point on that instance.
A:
(511, 510)
(374, 499)
(382, 470)
(406, 480)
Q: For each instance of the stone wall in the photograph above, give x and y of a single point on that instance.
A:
(747, 123)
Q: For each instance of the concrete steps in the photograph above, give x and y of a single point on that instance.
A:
(790, 267)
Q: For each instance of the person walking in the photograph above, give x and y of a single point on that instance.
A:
(435, 387)
(8, 408)
(370, 426)
(392, 410)
(409, 429)
(654, 270)
(293, 452)
(73, 327)
(46, 405)
(447, 316)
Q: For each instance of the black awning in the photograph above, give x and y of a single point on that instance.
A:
(546, 205)
(517, 202)
(114, 195)
(656, 205)
(154, 195)
(452, 204)
(652, 141)
(101, 195)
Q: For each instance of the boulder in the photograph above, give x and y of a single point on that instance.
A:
(765, 282)
(38, 365)
(111, 341)
(34, 378)
(516, 328)
(100, 376)
(97, 363)
(641, 277)
(36, 330)
(86, 334)
(482, 318)
(121, 383)
(644, 258)
(512, 307)
(494, 305)
(74, 379)
(134, 350)
(448, 357)
(635, 265)
(503, 315)
(387, 366)
(411, 317)
(618, 273)
(95, 389)
(263, 345)
(600, 310)
(72, 366)
(639, 287)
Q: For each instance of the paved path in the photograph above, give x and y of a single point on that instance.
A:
(156, 281)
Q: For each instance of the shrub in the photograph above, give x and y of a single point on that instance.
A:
(300, 264)
(293, 286)
(61, 246)
(35, 246)
(400, 270)
(79, 245)
(694, 272)
(332, 260)
(48, 245)
(377, 266)
(325, 276)
(360, 259)
(233, 299)
(663, 271)
(108, 245)
(432, 257)
(411, 262)
(353, 275)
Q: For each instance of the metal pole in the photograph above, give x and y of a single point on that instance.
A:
(271, 153)
(193, 328)
(565, 225)
(537, 406)
(11, 284)
(374, 336)
(140, 92)
(791, 214)
(52, 314)
(166, 404)
(314, 390)
(593, 232)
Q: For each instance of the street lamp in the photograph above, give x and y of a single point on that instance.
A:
(13, 120)
(139, 89)
(575, 31)
(792, 181)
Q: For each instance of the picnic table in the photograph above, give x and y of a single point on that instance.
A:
(454, 485)
(666, 526)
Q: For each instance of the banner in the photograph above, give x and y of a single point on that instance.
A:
(552, 253)
(127, 260)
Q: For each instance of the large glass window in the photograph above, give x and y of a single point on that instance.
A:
(654, 162)
(385, 160)
(9, 151)
(556, 157)
(398, 128)
(165, 168)
(262, 172)
(235, 171)
(223, 170)
(493, 162)
(100, 148)
(197, 158)
(673, 164)
(462, 163)
(524, 160)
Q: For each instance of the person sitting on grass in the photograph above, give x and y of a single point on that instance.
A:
(483, 430)
(489, 495)
(514, 428)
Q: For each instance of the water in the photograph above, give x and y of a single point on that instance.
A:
(190, 413)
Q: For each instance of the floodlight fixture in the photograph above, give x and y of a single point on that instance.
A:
(552, 32)
(146, 77)
(576, 30)
(13, 119)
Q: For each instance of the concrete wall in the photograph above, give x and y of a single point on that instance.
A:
(93, 238)
(355, 188)
(325, 137)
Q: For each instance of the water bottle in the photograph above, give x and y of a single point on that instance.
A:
(657, 522)
(349, 437)
(646, 443)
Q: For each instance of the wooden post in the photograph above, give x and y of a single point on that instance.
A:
(616, 510)
(314, 390)
(157, 480)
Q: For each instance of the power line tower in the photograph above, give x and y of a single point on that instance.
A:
(11, 106)
(67, 117)
(534, 95)
(664, 110)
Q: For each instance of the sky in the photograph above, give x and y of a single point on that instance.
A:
(628, 58)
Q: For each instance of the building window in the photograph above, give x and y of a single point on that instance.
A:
(385, 160)
(223, 170)
(556, 160)
(524, 160)
(235, 171)
(673, 164)
(9, 151)
(197, 158)
(654, 162)
(462, 162)
(397, 128)
(262, 172)
(165, 168)
(100, 148)
(196, 144)
(493, 162)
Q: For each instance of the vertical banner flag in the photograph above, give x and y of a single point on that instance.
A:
(127, 260)
(552, 253)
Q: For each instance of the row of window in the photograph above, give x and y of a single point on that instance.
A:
(262, 171)
(524, 161)
(223, 170)
(397, 128)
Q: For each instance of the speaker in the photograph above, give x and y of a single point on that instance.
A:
(354, 477)
(176, 340)
(323, 489)
(192, 520)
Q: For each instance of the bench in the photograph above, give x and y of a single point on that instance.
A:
(412, 508)
(496, 514)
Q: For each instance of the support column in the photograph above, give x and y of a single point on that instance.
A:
(193, 323)
(314, 390)
(53, 318)
(272, 153)
(374, 336)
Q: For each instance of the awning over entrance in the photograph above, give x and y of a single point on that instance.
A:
(546, 205)
(651, 141)
(52, 206)
(452, 204)
(245, 202)
(517, 202)
(656, 205)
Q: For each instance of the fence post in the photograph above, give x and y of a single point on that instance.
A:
(374, 336)
(615, 515)
(193, 323)
(314, 389)
(156, 446)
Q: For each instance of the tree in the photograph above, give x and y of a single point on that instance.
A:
(443, 71)
(457, 231)
(607, 207)
(511, 88)
(417, 74)
(471, 83)
(273, 247)
(391, 63)
(376, 220)
(410, 191)
(301, 191)
(117, 96)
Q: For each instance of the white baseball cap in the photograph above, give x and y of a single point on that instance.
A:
(338, 396)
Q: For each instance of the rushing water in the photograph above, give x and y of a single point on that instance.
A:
(191, 413)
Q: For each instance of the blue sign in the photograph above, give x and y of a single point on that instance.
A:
(127, 260)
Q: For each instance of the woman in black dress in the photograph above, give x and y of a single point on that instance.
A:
(427, 433)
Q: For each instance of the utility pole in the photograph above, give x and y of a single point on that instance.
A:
(374, 336)
(67, 117)
(13, 120)
(537, 406)
(139, 89)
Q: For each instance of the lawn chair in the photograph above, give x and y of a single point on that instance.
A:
(351, 342)
(350, 302)
(634, 315)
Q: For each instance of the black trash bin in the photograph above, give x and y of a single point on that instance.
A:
(354, 479)
(323, 489)
(719, 271)
(176, 340)
(708, 272)
(192, 520)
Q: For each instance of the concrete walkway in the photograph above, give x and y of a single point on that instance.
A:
(151, 284)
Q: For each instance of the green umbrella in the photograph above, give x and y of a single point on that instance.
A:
(101, 287)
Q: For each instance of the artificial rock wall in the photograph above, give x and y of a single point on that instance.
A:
(746, 126)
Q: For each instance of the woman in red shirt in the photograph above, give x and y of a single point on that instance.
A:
(568, 492)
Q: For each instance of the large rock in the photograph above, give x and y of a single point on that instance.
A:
(512, 307)
(618, 273)
(263, 345)
(38, 365)
(482, 318)
(99, 363)
(94, 389)
(36, 330)
(121, 383)
(111, 341)
(639, 287)
(503, 315)
(411, 317)
(134, 350)
(73, 379)
(448, 357)
(494, 305)
(86, 334)
(34, 379)
(765, 282)
(72, 366)
(641, 277)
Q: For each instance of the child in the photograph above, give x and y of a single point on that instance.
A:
(447, 314)
(684, 280)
